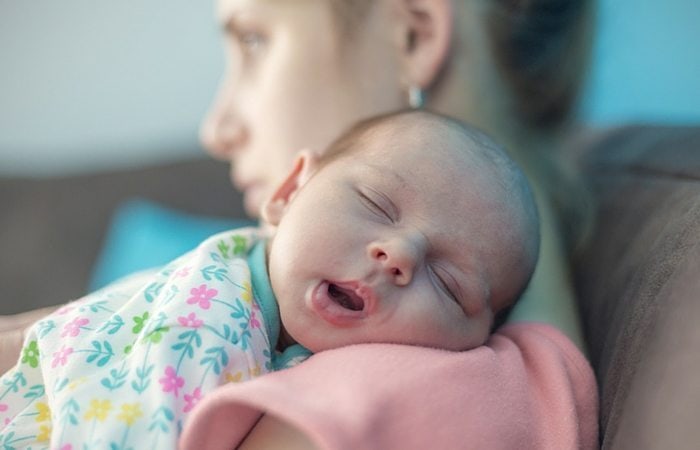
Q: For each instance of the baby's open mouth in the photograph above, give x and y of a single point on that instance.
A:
(347, 298)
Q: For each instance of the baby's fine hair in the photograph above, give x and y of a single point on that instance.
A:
(522, 229)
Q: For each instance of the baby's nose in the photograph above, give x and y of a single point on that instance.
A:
(398, 259)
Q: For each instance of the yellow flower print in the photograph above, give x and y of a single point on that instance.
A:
(77, 383)
(98, 409)
(130, 412)
(44, 413)
(234, 377)
(44, 433)
(255, 371)
(247, 295)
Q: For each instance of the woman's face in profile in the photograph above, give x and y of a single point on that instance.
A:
(294, 81)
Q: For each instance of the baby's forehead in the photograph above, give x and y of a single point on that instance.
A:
(427, 143)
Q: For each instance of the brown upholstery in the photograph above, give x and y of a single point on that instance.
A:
(51, 230)
(638, 282)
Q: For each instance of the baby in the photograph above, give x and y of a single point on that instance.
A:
(412, 229)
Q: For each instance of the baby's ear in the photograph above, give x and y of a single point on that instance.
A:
(305, 164)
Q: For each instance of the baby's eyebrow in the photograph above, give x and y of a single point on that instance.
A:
(384, 171)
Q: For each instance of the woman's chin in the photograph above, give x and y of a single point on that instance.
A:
(253, 200)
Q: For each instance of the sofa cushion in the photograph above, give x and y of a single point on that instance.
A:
(638, 281)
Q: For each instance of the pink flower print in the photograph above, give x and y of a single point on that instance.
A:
(61, 356)
(254, 322)
(67, 447)
(192, 400)
(190, 321)
(73, 328)
(3, 407)
(182, 273)
(171, 382)
(202, 295)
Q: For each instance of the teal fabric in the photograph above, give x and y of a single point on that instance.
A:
(263, 290)
(257, 261)
(144, 234)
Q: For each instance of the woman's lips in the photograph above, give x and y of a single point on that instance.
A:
(342, 303)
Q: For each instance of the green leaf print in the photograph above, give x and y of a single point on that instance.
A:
(156, 335)
(8, 441)
(104, 353)
(210, 272)
(114, 324)
(45, 328)
(14, 384)
(223, 249)
(144, 381)
(217, 360)
(240, 244)
(185, 345)
(35, 391)
(97, 306)
(116, 379)
(140, 322)
(70, 411)
(152, 291)
(161, 418)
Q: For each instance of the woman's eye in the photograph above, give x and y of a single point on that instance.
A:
(251, 41)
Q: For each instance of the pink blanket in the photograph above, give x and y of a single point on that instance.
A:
(528, 387)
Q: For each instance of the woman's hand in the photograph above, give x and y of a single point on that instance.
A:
(12, 330)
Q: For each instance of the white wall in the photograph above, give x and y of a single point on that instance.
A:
(88, 84)
(92, 84)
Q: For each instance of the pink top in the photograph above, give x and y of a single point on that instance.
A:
(528, 387)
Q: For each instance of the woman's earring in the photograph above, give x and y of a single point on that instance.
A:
(416, 97)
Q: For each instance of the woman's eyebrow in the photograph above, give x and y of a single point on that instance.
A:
(229, 26)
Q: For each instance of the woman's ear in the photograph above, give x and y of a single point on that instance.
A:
(425, 37)
(305, 164)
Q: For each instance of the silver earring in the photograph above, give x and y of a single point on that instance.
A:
(416, 97)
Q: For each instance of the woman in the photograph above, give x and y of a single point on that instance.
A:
(512, 68)
(300, 72)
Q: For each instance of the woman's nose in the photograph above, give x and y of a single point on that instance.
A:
(398, 259)
(222, 132)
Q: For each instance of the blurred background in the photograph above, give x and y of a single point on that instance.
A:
(100, 103)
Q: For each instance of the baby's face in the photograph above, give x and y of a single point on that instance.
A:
(388, 245)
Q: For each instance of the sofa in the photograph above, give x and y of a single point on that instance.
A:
(637, 276)
(638, 282)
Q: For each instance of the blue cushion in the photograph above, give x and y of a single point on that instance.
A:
(144, 234)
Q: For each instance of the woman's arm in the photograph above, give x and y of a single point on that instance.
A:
(550, 297)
